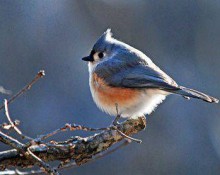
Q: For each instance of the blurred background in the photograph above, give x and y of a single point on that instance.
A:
(182, 37)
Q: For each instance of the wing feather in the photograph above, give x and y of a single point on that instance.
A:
(136, 74)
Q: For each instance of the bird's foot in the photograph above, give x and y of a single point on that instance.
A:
(114, 126)
(115, 123)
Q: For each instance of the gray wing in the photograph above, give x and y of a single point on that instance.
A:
(142, 77)
(118, 73)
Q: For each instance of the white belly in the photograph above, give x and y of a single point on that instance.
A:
(146, 104)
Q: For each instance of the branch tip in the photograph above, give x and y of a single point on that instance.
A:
(41, 73)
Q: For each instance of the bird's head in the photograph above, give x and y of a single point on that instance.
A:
(102, 49)
(112, 50)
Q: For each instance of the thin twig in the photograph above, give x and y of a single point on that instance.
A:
(12, 123)
(79, 149)
(75, 149)
(125, 143)
(48, 169)
(68, 165)
(12, 142)
(71, 127)
(40, 74)
(128, 137)
(74, 127)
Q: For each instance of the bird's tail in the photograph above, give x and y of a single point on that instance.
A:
(187, 93)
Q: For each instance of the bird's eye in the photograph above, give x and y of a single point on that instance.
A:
(101, 55)
(98, 56)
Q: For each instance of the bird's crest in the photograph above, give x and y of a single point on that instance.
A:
(103, 40)
(106, 35)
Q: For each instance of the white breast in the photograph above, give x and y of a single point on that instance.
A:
(147, 103)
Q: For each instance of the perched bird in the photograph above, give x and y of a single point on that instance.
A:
(124, 81)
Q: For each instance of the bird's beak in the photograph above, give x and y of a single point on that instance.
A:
(88, 58)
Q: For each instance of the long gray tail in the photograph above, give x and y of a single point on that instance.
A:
(186, 92)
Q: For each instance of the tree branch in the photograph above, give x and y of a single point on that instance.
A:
(11, 124)
(39, 75)
(11, 142)
(66, 165)
(79, 149)
(73, 152)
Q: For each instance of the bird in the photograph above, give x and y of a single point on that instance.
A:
(124, 82)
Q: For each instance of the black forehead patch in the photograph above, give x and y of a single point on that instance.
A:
(92, 52)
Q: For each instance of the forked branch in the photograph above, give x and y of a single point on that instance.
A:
(79, 149)
(75, 151)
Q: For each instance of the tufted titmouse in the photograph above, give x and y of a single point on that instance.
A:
(123, 75)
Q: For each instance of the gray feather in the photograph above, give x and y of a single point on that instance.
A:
(196, 94)
(136, 73)
(125, 66)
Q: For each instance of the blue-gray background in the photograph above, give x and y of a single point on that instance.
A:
(182, 37)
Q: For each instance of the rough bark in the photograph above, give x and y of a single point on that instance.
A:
(79, 149)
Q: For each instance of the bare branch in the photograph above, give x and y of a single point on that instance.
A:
(81, 150)
(68, 165)
(42, 164)
(12, 124)
(128, 137)
(71, 127)
(73, 152)
(11, 142)
(26, 88)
